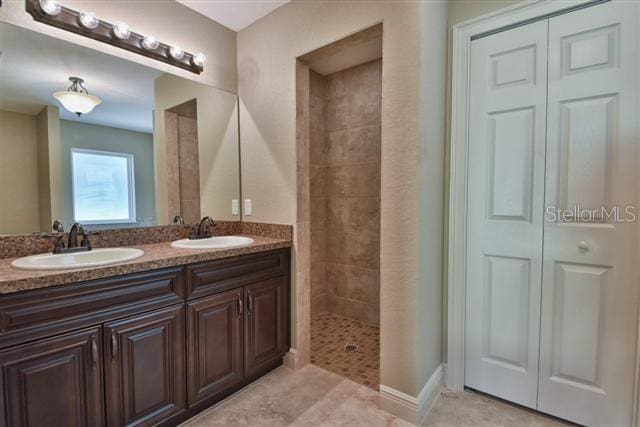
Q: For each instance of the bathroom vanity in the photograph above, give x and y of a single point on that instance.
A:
(150, 347)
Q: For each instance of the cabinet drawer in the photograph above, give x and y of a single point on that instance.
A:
(220, 275)
(44, 312)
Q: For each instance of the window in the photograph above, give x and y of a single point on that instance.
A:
(103, 187)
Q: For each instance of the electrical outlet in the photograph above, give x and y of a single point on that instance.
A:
(247, 207)
(235, 207)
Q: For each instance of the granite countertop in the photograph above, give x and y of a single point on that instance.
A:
(156, 255)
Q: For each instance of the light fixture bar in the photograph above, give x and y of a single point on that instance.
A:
(70, 20)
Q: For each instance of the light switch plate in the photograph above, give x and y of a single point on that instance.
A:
(247, 207)
(235, 207)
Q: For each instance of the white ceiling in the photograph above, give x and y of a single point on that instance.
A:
(33, 66)
(234, 14)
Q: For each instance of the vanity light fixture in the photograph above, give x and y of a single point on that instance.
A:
(150, 42)
(198, 59)
(77, 99)
(121, 30)
(88, 20)
(50, 7)
(176, 52)
(118, 34)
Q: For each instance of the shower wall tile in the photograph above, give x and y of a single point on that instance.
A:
(337, 279)
(363, 144)
(363, 249)
(363, 180)
(337, 181)
(364, 215)
(337, 113)
(336, 147)
(336, 85)
(344, 169)
(317, 189)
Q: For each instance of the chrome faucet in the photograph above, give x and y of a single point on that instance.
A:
(73, 235)
(178, 220)
(204, 229)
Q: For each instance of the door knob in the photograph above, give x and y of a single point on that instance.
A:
(583, 246)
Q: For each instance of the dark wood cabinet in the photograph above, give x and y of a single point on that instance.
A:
(53, 382)
(265, 328)
(147, 348)
(145, 369)
(214, 340)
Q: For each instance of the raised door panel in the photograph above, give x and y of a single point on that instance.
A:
(53, 382)
(145, 369)
(505, 212)
(591, 236)
(265, 325)
(214, 340)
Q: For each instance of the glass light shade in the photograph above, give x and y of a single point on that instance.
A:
(50, 7)
(76, 102)
(150, 43)
(88, 20)
(176, 52)
(198, 59)
(121, 30)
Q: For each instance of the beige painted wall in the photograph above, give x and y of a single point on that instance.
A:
(219, 161)
(18, 173)
(459, 11)
(49, 173)
(412, 32)
(167, 20)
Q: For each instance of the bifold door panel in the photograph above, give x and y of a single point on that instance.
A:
(506, 196)
(553, 238)
(591, 255)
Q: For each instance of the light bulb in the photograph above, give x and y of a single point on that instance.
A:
(50, 7)
(198, 59)
(88, 20)
(150, 43)
(121, 30)
(176, 52)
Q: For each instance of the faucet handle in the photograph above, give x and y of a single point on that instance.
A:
(85, 238)
(178, 220)
(58, 243)
(57, 226)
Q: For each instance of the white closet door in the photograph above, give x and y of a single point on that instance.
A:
(591, 270)
(505, 212)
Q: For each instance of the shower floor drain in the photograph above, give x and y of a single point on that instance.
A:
(350, 348)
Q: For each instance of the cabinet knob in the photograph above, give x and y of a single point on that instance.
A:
(583, 246)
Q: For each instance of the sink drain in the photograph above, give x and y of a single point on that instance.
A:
(350, 348)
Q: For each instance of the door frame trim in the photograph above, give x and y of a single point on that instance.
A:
(463, 33)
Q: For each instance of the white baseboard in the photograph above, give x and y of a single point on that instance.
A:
(290, 359)
(409, 408)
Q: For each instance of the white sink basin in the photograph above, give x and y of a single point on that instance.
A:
(94, 258)
(218, 242)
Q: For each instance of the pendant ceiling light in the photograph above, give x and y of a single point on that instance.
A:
(77, 99)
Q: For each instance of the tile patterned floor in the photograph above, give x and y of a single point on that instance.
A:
(471, 409)
(329, 335)
(312, 397)
(304, 398)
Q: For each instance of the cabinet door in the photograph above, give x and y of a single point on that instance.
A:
(214, 340)
(53, 382)
(265, 325)
(145, 371)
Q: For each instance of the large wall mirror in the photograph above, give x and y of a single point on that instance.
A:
(141, 148)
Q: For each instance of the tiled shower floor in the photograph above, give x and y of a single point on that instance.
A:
(330, 334)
